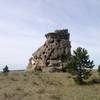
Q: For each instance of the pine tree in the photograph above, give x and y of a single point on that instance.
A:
(80, 65)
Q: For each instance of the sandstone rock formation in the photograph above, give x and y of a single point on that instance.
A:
(54, 53)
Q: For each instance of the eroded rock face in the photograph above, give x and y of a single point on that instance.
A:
(54, 53)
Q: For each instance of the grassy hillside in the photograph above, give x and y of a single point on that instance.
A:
(45, 86)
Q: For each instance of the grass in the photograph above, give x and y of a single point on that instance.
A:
(45, 86)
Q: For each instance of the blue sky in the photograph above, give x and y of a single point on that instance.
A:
(23, 24)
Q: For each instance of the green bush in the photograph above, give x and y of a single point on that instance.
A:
(99, 70)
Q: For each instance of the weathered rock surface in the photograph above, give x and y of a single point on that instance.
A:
(53, 54)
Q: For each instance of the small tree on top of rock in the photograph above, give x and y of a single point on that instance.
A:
(80, 65)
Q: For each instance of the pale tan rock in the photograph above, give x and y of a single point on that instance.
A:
(55, 51)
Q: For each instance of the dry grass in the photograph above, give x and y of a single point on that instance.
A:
(45, 86)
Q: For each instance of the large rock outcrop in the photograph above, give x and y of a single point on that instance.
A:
(54, 53)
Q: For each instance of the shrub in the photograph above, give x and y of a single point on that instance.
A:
(99, 70)
(5, 69)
